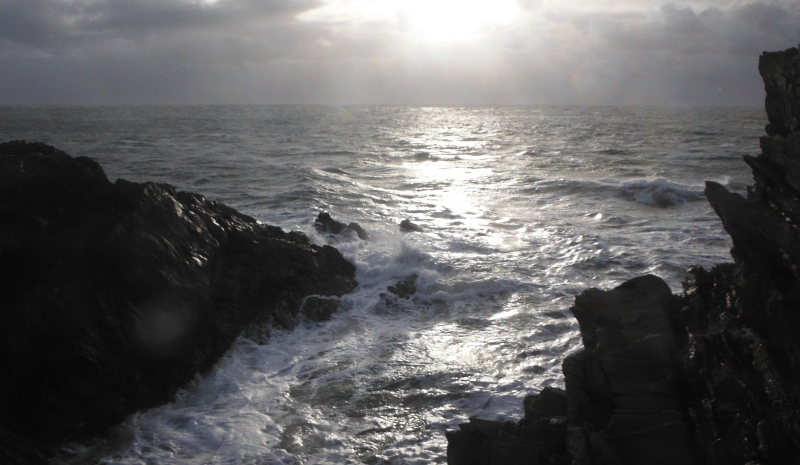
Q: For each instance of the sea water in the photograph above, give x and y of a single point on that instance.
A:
(521, 208)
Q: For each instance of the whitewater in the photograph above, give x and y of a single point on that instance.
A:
(521, 208)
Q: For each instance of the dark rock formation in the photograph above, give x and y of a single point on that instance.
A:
(405, 288)
(623, 390)
(325, 224)
(743, 357)
(537, 439)
(117, 294)
(408, 226)
(781, 73)
(709, 377)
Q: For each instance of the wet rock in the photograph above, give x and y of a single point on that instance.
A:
(319, 308)
(360, 232)
(405, 288)
(326, 224)
(408, 226)
(117, 294)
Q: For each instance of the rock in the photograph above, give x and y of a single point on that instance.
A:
(485, 442)
(551, 402)
(781, 73)
(117, 294)
(712, 376)
(405, 288)
(408, 226)
(319, 308)
(539, 438)
(326, 224)
(623, 389)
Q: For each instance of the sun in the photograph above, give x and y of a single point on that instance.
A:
(434, 20)
(454, 19)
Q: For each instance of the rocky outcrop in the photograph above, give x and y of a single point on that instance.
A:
(743, 355)
(537, 439)
(624, 389)
(325, 224)
(781, 73)
(708, 377)
(407, 226)
(117, 294)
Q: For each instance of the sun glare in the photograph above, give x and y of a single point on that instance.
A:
(438, 20)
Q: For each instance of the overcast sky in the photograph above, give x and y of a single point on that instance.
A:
(389, 51)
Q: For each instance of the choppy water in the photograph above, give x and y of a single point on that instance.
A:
(522, 208)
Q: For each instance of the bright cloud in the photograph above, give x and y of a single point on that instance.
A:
(437, 20)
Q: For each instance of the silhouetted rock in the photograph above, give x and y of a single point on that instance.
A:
(781, 73)
(326, 224)
(623, 390)
(408, 226)
(405, 288)
(539, 438)
(712, 376)
(117, 294)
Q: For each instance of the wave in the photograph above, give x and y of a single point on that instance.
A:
(660, 192)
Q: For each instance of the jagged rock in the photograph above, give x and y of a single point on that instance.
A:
(781, 73)
(326, 224)
(741, 368)
(762, 237)
(117, 294)
(408, 226)
(405, 288)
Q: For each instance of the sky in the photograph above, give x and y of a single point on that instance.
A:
(416, 52)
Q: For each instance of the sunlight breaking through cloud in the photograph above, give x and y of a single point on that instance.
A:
(439, 20)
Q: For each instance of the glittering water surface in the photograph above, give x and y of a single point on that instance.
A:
(521, 208)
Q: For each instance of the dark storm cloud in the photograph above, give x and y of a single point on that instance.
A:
(54, 24)
(182, 51)
(704, 57)
(671, 55)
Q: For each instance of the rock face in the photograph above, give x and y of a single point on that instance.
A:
(709, 377)
(623, 390)
(743, 356)
(117, 294)
(537, 439)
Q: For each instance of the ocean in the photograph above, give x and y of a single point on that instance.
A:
(521, 209)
